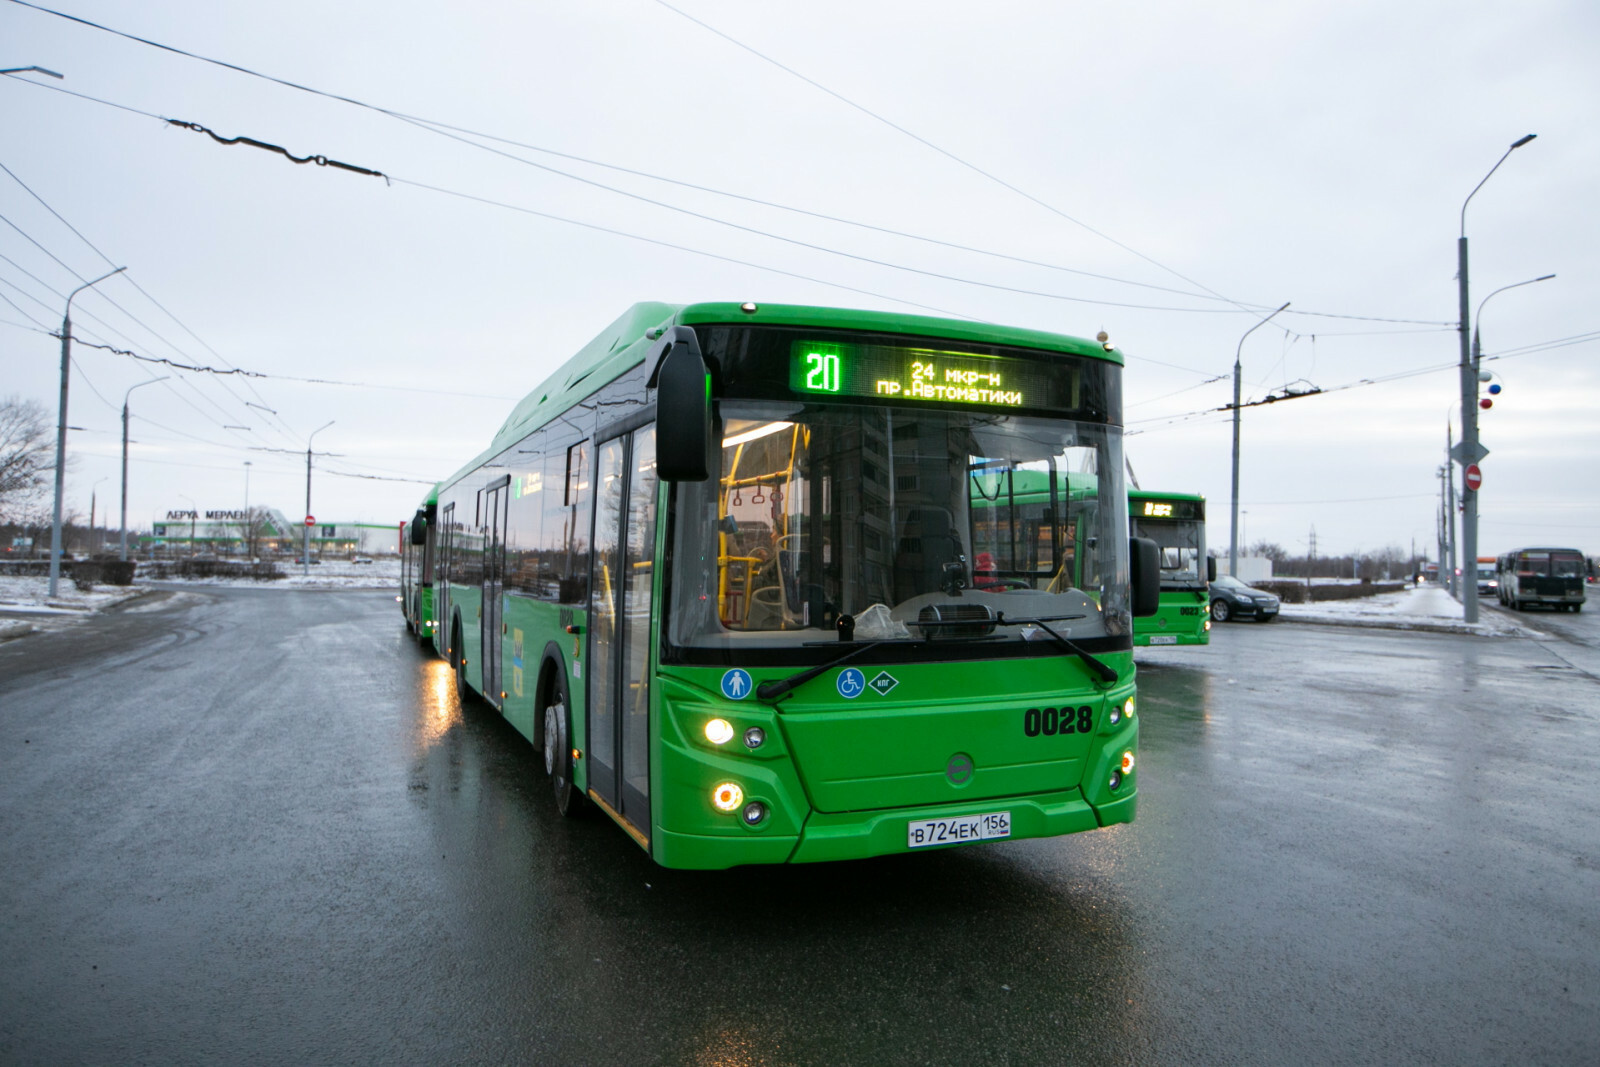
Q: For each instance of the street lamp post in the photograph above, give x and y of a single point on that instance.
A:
(1233, 525)
(1471, 451)
(305, 539)
(61, 430)
(122, 551)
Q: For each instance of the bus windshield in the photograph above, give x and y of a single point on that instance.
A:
(908, 523)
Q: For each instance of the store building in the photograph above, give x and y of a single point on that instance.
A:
(262, 532)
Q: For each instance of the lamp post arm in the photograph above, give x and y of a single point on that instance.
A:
(1233, 526)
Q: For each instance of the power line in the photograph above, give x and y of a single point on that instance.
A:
(439, 128)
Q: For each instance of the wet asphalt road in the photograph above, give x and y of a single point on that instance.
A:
(255, 826)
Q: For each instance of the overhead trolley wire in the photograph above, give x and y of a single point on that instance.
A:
(131, 280)
(438, 128)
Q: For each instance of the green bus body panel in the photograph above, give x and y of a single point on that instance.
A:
(1182, 616)
(834, 789)
(840, 778)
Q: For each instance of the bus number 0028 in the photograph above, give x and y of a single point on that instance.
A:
(822, 373)
(1052, 721)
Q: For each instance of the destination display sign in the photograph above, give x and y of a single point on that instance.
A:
(1175, 510)
(927, 375)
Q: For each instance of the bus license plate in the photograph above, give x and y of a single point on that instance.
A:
(1164, 639)
(962, 828)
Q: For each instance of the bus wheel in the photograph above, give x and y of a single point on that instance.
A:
(558, 750)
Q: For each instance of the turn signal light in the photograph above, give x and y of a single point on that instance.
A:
(727, 796)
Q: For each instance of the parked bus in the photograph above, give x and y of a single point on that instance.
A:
(1176, 522)
(1550, 576)
(416, 569)
(718, 569)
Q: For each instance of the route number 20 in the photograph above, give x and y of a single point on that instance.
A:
(822, 372)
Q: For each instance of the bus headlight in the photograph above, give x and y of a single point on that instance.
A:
(755, 813)
(754, 737)
(719, 731)
(727, 796)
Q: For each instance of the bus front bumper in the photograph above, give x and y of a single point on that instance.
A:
(859, 835)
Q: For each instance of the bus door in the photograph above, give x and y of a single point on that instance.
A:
(619, 625)
(493, 511)
(442, 577)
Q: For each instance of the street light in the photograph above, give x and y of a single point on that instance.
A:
(122, 551)
(1233, 527)
(305, 538)
(1471, 451)
(61, 430)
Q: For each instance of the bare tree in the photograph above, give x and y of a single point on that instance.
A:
(26, 459)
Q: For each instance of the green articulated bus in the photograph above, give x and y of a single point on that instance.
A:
(416, 570)
(1176, 522)
(725, 570)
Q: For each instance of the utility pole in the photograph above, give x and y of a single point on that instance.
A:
(305, 540)
(1450, 513)
(61, 430)
(122, 552)
(1471, 451)
(1233, 527)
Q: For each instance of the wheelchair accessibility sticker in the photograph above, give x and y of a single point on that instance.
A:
(736, 684)
(851, 683)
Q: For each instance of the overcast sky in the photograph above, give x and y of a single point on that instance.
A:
(1209, 162)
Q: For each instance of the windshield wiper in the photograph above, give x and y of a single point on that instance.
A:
(1099, 667)
(774, 688)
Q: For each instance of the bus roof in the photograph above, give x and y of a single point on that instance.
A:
(624, 344)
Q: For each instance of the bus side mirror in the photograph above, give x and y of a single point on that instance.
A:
(1211, 568)
(683, 409)
(1145, 557)
(419, 531)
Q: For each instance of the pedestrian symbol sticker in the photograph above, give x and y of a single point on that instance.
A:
(851, 683)
(884, 682)
(736, 684)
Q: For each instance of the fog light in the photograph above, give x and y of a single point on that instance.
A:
(754, 737)
(1127, 763)
(719, 731)
(1114, 716)
(755, 813)
(1116, 780)
(727, 797)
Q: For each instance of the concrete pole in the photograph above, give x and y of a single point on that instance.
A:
(305, 538)
(122, 551)
(61, 430)
(1233, 525)
(1469, 404)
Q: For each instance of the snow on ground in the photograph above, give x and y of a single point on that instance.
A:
(26, 605)
(379, 574)
(1421, 607)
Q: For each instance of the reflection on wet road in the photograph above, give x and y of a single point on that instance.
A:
(259, 825)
